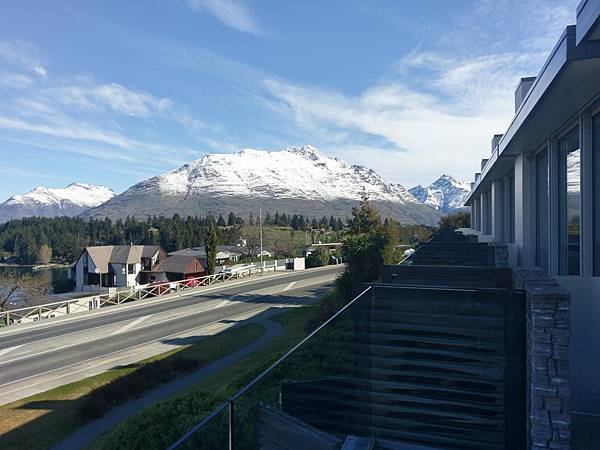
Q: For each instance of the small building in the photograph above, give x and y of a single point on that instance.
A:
(226, 255)
(180, 267)
(329, 247)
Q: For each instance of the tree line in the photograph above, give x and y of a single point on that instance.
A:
(38, 239)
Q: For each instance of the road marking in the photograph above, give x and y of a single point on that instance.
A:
(9, 349)
(249, 314)
(289, 286)
(130, 325)
(95, 313)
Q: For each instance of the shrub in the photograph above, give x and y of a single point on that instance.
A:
(133, 385)
(318, 258)
(63, 285)
(456, 220)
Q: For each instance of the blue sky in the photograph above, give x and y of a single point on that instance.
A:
(113, 92)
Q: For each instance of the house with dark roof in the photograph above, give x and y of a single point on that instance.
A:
(179, 267)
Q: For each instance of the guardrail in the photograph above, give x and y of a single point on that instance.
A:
(64, 307)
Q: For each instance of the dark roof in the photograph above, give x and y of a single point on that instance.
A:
(180, 264)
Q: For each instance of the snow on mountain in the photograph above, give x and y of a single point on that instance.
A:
(297, 180)
(292, 173)
(46, 202)
(445, 194)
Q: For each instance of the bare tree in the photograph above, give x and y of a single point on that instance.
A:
(29, 288)
(252, 236)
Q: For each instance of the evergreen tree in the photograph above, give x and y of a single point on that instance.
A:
(295, 222)
(340, 224)
(314, 223)
(332, 223)
(210, 244)
(365, 217)
(231, 219)
(251, 220)
(221, 221)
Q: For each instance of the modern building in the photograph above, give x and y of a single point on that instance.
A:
(538, 191)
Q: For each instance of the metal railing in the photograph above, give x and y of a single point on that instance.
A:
(141, 292)
(229, 406)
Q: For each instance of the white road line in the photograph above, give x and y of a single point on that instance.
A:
(289, 286)
(9, 349)
(130, 325)
(249, 314)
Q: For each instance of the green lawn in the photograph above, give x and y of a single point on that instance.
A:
(39, 421)
(160, 425)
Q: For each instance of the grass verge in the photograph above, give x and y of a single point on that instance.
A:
(39, 421)
(159, 425)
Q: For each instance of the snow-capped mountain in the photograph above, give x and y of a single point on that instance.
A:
(45, 202)
(445, 194)
(298, 180)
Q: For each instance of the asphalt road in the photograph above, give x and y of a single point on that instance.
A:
(39, 356)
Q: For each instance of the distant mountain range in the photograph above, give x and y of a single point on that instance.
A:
(298, 180)
(446, 194)
(45, 202)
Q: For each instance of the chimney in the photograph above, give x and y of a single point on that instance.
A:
(522, 90)
(483, 163)
(477, 177)
(496, 141)
(472, 184)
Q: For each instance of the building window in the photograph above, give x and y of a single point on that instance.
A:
(570, 199)
(130, 269)
(542, 197)
(596, 192)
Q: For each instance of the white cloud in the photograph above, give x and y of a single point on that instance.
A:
(231, 12)
(436, 110)
(89, 96)
(14, 80)
(22, 54)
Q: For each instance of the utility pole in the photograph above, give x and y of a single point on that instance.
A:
(261, 240)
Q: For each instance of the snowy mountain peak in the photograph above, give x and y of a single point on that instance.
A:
(47, 202)
(445, 194)
(306, 151)
(300, 172)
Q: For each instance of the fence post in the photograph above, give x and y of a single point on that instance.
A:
(68, 307)
(39, 313)
(231, 405)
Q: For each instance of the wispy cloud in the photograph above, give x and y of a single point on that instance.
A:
(231, 12)
(24, 55)
(436, 109)
(88, 95)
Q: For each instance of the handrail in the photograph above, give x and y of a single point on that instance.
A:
(132, 293)
(263, 374)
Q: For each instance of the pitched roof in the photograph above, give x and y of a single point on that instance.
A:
(180, 264)
(103, 255)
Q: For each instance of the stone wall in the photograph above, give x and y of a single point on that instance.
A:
(548, 388)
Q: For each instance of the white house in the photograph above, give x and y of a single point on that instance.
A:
(107, 266)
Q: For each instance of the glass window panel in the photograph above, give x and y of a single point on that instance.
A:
(571, 201)
(542, 197)
(596, 181)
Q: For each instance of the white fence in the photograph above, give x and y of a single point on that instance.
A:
(61, 308)
(55, 309)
